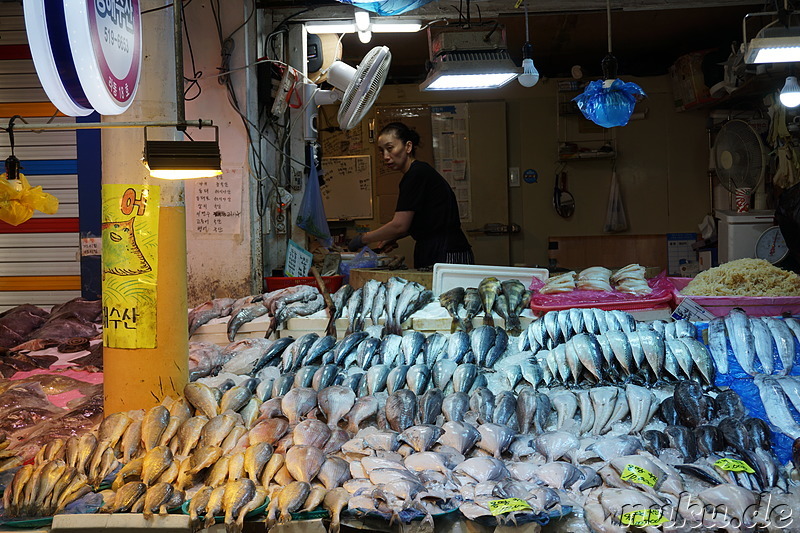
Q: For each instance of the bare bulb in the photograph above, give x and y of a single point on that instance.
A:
(790, 94)
(365, 36)
(529, 76)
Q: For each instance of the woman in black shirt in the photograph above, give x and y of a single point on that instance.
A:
(426, 206)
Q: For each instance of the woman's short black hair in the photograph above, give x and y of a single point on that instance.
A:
(402, 132)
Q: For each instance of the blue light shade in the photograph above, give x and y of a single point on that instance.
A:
(609, 103)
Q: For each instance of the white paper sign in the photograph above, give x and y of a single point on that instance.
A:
(91, 246)
(691, 310)
(216, 205)
(298, 260)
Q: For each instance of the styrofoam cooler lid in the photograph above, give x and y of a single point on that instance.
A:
(447, 276)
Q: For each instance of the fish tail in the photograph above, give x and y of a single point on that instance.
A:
(488, 319)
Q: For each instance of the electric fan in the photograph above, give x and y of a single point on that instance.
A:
(738, 156)
(357, 88)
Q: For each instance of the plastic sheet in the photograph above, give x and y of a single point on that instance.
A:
(742, 383)
(609, 106)
(387, 7)
(18, 200)
(366, 258)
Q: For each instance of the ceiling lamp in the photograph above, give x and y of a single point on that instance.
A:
(529, 76)
(468, 59)
(364, 25)
(181, 160)
(777, 42)
(790, 94)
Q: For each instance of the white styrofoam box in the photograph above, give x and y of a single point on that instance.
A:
(128, 522)
(447, 276)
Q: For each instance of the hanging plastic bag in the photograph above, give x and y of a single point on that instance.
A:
(366, 258)
(387, 7)
(615, 214)
(18, 200)
(311, 216)
(609, 106)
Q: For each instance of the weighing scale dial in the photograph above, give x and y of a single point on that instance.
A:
(771, 246)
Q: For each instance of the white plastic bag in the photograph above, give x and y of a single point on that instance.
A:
(615, 214)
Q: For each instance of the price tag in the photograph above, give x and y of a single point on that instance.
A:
(508, 505)
(733, 465)
(691, 310)
(298, 260)
(91, 246)
(643, 517)
(637, 474)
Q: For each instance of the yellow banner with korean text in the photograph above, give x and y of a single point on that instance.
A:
(130, 264)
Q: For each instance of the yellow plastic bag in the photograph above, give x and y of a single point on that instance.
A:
(18, 200)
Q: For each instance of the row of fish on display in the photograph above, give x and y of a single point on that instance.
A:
(754, 341)
(28, 327)
(393, 301)
(508, 299)
(280, 305)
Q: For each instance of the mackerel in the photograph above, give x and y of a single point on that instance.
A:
(639, 400)
(587, 411)
(369, 291)
(390, 348)
(589, 321)
(551, 326)
(590, 354)
(564, 324)
(701, 358)
(406, 300)
(378, 305)
(718, 344)
(682, 355)
(653, 347)
(394, 287)
(621, 349)
(784, 341)
(763, 343)
(636, 348)
(791, 386)
(573, 361)
(576, 320)
(742, 340)
(794, 326)
(671, 364)
(457, 346)
(435, 346)
(354, 310)
(776, 405)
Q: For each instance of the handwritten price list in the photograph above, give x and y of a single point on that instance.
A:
(217, 206)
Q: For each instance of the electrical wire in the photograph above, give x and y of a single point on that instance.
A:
(608, 22)
(194, 81)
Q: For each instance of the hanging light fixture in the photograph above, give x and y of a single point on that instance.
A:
(529, 76)
(609, 102)
(180, 160)
(777, 42)
(790, 94)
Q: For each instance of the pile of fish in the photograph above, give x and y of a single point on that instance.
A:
(395, 301)
(507, 298)
(28, 328)
(754, 342)
(629, 279)
(280, 305)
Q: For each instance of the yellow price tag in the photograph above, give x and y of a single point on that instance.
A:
(643, 517)
(637, 474)
(733, 465)
(508, 505)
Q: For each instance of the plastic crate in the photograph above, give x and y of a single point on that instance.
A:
(273, 283)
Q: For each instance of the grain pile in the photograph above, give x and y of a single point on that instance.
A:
(744, 277)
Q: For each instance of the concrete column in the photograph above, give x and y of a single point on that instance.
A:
(139, 378)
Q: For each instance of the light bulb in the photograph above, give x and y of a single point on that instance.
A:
(529, 76)
(790, 94)
(365, 36)
(362, 20)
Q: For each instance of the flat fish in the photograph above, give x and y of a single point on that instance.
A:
(401, 410)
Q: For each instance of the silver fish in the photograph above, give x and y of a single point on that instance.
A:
(459, 436)
(435, 346)
(405, 300)
(320, 347)
(742, 341)
(603, 402)
(481, 402)
(576, 321)
(369, 291)
(495, 438)
(653, 347)
(701, 358)
(401, 410)
(376, 378)
(457, 346)
(556, 444)
(587, 411)
(390, 349)
(411, 346)
(784, 341)
(354, 310)
(454, 406)
(718, 343)
(324, 377)
(565, 404)
(417, 378)
(396, 379)
(589, 321)
(589, 353)
(394, 287)
(564, 324)
(430, 406)
(526, 409)
(505, 409)
(378, 304)
(683, 357)
(421, 437)
(763, 344)
(340, 299)
(367, 352)
(776, 405)
(464, 377)
(335, 402)
(347, 345)
(498, 348)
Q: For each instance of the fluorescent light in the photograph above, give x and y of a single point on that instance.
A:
(362, 20)
(399, 26)
(774, 45)
(376, 26)
(485, 69)
(182, 174)
(330, 26)
(365, 36)
(180, 160)
(454, 82)
(790, 94)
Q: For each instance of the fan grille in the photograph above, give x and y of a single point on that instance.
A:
(364, 87)
(738, 156)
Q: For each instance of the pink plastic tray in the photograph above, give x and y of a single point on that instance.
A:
(752, 305)
(661, 297)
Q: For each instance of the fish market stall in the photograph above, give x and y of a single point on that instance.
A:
(573, 419)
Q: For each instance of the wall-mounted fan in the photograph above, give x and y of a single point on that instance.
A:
(738, 156)
(357, 88)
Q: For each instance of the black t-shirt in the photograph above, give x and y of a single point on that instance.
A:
(425, 192)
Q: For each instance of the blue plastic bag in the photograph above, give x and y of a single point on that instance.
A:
(311, 216)
(366, 258)
(387, 7)
(609, 106)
